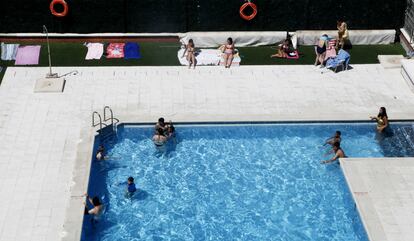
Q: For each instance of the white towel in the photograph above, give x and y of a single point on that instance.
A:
(95, 51)
(207, 57)
(8, 51)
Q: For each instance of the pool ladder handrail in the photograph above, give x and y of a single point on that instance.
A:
(100, 123)
(111, 118)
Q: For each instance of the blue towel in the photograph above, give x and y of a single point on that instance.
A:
(131, 51)
(342, 57)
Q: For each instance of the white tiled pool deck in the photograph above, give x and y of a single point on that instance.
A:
(45, 138)
(383, 190)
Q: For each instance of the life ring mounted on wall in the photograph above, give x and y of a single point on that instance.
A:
(244, 6)
(59, 14)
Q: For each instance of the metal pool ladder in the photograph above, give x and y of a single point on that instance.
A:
(106, 117)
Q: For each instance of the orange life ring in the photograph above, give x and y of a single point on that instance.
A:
(59, 14)
(251, 16)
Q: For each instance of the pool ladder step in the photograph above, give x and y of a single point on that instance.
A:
(107, 125)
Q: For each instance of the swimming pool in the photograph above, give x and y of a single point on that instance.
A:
(235, 182)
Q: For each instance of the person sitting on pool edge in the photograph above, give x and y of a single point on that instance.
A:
(131, 188)
(332, 140)
(381, 119)
(159, 138)
(339, 153)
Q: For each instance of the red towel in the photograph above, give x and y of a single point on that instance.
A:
(115, 50)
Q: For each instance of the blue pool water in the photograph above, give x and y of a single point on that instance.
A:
(234, 182)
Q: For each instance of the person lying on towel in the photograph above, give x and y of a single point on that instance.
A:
(285, 50)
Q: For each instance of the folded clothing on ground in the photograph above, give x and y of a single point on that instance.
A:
(132, 51)
(8, 51)
(28, 55)
(115, 50)
(95, 51)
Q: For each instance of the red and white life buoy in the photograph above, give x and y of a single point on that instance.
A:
(59, 14)
(252, 15)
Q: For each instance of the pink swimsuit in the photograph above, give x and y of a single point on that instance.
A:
(229, 49)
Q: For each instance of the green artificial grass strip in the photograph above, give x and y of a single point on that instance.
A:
(165, 54)
(361, 54)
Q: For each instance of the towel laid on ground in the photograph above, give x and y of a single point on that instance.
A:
(8, 51)
(206, 57)
(28, 55)
(115, 50)
(95, 51)
(132, 51)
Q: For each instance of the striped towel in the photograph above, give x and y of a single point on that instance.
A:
(8, 51)
(331, 43)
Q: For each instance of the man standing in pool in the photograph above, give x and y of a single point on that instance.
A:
(339, 153)
(161, 124)
(168, 129)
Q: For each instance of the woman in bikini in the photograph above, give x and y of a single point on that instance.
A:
(381, 119)
(190, 49)
(283, 49)
(228, 52)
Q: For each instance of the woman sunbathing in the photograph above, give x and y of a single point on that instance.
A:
(284, 49)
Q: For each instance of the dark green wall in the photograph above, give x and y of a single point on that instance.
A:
(100, 16)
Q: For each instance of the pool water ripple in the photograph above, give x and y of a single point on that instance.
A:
(246, 182)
